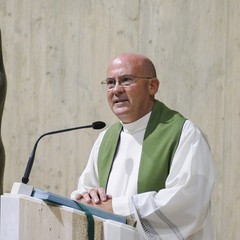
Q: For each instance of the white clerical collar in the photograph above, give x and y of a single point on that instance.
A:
(138, 125)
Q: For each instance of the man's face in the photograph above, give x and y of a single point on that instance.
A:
(132, 102)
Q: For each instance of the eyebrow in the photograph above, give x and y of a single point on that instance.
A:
(124, 75)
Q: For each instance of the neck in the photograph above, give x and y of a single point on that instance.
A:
(147, 110)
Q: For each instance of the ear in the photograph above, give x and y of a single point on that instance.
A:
(153, 86)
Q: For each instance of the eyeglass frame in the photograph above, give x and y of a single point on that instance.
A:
(132, 77)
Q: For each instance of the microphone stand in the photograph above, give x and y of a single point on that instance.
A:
(25, 178)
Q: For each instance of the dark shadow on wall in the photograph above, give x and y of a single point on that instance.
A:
(3, 90)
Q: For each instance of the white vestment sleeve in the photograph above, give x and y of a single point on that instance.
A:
(181, 210)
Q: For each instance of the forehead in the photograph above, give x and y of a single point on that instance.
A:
(121, 66)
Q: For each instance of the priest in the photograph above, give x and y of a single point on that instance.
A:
(154, 165)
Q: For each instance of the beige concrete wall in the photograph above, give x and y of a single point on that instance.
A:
(56, 53)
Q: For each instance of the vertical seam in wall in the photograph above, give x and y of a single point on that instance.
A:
(139, 16)
(224, 103)
(226, 51)
(30, 41)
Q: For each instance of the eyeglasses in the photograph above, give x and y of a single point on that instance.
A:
(124, 81)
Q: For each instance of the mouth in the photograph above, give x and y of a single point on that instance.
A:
(115, 101)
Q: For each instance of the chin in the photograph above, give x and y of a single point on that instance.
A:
(120, 113)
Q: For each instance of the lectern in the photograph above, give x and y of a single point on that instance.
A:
(49, 216)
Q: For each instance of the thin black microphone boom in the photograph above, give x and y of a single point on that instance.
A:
(25, 178)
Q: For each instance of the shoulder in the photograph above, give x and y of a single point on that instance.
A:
(191, 131)
(107, 132)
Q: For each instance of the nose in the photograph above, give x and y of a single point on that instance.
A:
(118, 88)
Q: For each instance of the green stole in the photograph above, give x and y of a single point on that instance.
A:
(160, 142)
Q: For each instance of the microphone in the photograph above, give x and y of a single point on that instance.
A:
(25, 178)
